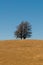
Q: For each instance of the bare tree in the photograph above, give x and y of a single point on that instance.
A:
(23, 30)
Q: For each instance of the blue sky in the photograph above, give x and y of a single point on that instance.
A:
(12, 12)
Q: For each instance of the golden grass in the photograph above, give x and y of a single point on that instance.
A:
(21, 52)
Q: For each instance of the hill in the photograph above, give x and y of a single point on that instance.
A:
(21, 52)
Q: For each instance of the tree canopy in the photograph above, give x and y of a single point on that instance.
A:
(23, 30)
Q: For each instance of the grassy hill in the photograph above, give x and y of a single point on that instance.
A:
(21, 52)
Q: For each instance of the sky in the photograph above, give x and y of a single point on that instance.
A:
(13, 12)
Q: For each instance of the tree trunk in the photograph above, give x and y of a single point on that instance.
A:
(24, 37)
(21, 38)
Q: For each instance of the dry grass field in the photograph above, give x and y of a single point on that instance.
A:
(21, 52)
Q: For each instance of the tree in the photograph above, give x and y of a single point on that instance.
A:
(23, 30)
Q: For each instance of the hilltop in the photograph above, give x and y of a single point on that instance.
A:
(21, 52)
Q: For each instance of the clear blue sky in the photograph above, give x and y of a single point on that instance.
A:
(12, 12)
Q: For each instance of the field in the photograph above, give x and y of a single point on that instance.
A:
(21, 52)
